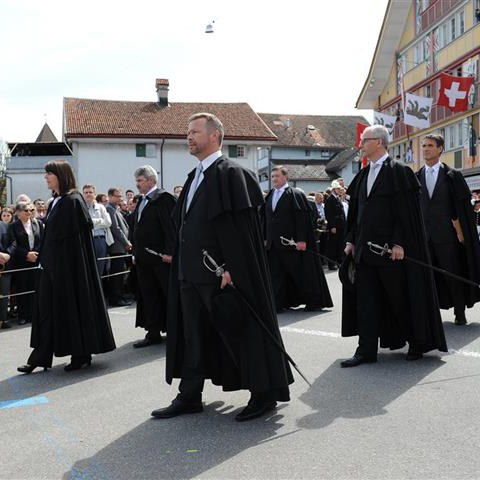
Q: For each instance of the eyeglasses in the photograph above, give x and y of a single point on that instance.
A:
(365, 140)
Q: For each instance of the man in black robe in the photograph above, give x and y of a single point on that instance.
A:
(394, 300)
(210, 332)
(153, 229)
(451, 229)
(297, 273)
(337, 222)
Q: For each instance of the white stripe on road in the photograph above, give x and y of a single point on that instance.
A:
(320, 333)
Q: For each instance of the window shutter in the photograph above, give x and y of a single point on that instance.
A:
(458, 159)
(232, 151)
(140, 149)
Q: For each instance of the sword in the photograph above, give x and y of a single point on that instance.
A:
(219, 271)
(290, 242)
(153, 252)
(382, 251)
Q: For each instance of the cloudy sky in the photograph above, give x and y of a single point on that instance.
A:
(310, 57)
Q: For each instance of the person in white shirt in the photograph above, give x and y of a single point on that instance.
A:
(102, 236)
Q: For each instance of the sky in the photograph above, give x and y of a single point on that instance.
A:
(279, 57)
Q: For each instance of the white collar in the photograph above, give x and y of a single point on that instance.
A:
(207, 162)
(435, 167)
(282, 189)
(380, 160)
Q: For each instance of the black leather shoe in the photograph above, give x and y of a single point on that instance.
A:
(4, 325)
(255, 409)
(29, 368)
(22, 321)
(312, 308)
(146, 342)
(460, 319)
(413, 355)
(357, 360)
(120, 303)
(177, 408)
(76, 363)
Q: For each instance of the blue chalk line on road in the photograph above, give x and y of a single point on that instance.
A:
(23, 402)
(320, 333)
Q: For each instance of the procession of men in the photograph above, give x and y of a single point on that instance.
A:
(217, 261)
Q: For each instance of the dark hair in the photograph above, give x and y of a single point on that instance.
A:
(127, 191)
(280, 168)
(63, 171)
(137, 197)
(112, 190)
(438, 139)
(89, 185)
(99, 197)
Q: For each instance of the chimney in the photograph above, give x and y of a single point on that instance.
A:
(161, 85)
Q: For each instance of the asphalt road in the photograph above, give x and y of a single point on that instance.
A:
(389, 420)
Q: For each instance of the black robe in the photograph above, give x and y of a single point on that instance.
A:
(79, 318)
(470, 250)
(233, 198)
(424, 323)
(310, 285)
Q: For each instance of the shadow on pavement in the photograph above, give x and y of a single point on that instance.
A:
(40, 382)
(178, 448)
(363, 391)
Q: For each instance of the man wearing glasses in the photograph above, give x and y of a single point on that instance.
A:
(393, 299)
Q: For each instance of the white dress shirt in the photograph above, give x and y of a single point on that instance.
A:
(433, 170)
(277, 195)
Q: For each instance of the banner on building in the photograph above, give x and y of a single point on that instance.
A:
(454, 92)
(417, 111)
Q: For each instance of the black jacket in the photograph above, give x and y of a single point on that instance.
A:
(19, 245)
(335, 213)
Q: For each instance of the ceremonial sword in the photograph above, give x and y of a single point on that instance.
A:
(290, 242)
(153, 252)
(382, 251)
(219, 271)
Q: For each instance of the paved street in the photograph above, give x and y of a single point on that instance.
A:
(390, 420)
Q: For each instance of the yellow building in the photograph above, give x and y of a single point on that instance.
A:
(421, 39)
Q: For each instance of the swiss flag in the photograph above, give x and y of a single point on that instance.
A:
(360, 128)
(454, 92)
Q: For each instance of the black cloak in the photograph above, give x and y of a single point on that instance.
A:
(470, 250)
(241, 356)
(424, 327)
(310, 285)
(79, 318)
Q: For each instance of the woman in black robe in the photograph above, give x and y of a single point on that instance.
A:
(70, 317)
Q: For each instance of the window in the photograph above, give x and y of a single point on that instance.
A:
(460, 133)
(307, 153)
(428, 90)
(461, 23)
(140, 149)
(236, 151)
(458, 159)
(150, 150)
(453, 23)
(418, 54)
(444, 35)
(356, 167)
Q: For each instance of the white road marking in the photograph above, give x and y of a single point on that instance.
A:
(321, 333)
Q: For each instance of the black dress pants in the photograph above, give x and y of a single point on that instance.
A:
(196, 304)
(42, 354)
(381, 307)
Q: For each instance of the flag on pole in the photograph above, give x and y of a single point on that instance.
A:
(360, 128)
(417, 111)
(388, 121)
(454, 92)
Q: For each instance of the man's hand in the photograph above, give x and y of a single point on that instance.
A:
(397, 253)
(301, 246)
(166, 258)
(128, 247)
(333, 230)
(226, 280)
(350, 249)
(4, 258)
(32, 257)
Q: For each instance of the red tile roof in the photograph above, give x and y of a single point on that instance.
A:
(106, 118)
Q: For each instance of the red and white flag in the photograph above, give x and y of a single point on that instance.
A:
(454, 92)
(360, 128)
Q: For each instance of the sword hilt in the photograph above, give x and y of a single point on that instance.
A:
(288, 242)
(378, 249)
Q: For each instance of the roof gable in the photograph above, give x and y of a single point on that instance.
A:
(305, 131)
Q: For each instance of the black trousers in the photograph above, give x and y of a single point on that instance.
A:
(285, 268)
(336, 246)
(448, 257)
(5, 284)
(381, 297)
(152, 294)
(115, 283)
(25, 282)
(196, 304)
(42, 354)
